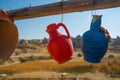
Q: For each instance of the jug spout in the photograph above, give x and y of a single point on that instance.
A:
(96, 23)
(52, 30)
(51, 27)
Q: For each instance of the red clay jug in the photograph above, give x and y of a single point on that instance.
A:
(8, 35)
(59, 46)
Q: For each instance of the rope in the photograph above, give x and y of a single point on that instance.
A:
(61, 11)
(93, 12)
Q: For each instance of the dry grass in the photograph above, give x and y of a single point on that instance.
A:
(40, 65)
(73, 66)
(110, 67)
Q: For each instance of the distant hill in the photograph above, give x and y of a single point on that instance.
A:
(114, 45)
(37, 44)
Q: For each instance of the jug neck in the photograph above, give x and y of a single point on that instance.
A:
(95, 27)
(54, 34)
(95, 23)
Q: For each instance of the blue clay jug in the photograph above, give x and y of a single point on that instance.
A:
(94, 43)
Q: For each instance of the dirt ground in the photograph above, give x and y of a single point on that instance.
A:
(45, 74)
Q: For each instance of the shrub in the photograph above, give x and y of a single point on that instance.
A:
(24, 50)
(22, 59)
(1, 62)
(31, 57)
(79, 55)
(44, 57)
(111, 56)
(17, 53)
(40, 57)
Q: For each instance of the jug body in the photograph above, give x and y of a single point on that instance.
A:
(8, 36)
(94, 46)
(60, 46)
(94, 43)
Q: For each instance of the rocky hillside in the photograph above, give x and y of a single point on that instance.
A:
(37, 44)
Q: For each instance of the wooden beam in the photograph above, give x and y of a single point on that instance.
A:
(66, 6)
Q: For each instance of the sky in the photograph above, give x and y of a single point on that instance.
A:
(76, 22)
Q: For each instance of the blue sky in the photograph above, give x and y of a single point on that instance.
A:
(76, 22)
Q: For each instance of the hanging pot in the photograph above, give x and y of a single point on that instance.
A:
(59, 46)
(94, 42)
(8, 36)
